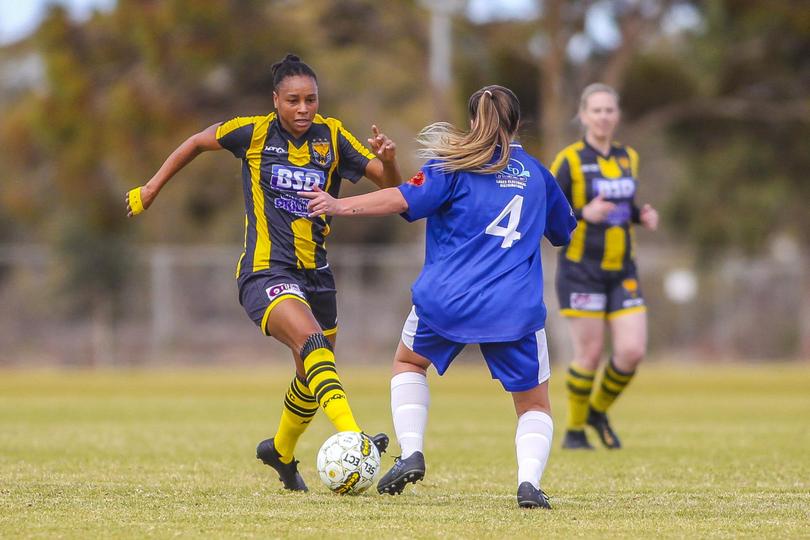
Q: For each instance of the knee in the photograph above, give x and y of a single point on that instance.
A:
(588, 358)
(314, 342)
(407, 360)
(629, 356)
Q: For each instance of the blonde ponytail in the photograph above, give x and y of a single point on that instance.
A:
(495, 114)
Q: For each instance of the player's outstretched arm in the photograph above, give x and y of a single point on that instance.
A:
(139, 199)
(378, 203)
(383, 171)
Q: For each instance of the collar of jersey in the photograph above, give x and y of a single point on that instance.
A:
(598, 153)
(290, 136)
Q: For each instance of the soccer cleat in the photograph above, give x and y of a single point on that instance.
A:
(410, 469)
(529, 496)
(599, 421)
(380, 440)
(575, 439)
(287, 472)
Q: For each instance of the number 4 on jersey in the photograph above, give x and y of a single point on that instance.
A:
(509, 233)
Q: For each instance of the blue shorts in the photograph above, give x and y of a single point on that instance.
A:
(519, 365)
(261, 291)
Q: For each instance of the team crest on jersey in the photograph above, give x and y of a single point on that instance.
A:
(321, 151)
(418, 179)
(514, 175)
(624, 163)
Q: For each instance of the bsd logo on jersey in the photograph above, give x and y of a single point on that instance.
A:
(289, 178)
(621, 188)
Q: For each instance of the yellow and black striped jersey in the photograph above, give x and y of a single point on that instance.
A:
(583, 173)
(275, 166)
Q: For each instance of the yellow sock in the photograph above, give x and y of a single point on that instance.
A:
(579, 382)
(324, 383)
(299, 408)
(611, 384)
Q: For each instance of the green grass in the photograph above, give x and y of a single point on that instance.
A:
(720, 451)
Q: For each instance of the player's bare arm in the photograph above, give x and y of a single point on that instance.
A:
(139, 199)
(649, 217)
(384, 170)
(378, 203)
(597, 210)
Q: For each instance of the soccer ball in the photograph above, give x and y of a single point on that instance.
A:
(348, 462)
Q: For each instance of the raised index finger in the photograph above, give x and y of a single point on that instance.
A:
(375, 130)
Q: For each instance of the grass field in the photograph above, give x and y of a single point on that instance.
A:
(720, 451)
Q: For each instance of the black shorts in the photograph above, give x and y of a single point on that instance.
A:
(585, 290)
(260, 292)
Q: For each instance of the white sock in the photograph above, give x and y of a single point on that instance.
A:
(533, 441)
(409, 406)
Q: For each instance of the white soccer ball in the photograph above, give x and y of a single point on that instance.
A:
(348, 462)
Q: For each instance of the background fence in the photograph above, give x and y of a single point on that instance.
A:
(180, 306)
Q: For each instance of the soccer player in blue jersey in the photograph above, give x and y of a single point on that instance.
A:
(597, 282)
(285, 284)
(488, 205)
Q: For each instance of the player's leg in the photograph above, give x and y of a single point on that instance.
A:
(260, 294)
(522, 367)
(322, 297)
(588, 337)
(583, 299)
(293, 323)
(626, 315)
(535, 430)
(629, 338)
(410, 399)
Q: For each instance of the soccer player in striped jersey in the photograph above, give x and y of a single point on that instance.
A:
(285, 284)
(597, 283)
(488, 204)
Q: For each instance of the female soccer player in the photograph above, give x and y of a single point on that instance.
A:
(488, 205)
(285, 284)
(596, 276)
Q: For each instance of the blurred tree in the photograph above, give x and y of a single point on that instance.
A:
(745, 137)
(572, 44)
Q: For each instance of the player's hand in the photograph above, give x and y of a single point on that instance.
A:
(597, 210)
(383, 147)
(139, 199)
(320, 202)
(649, 217)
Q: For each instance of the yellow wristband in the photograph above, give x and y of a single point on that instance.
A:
(135, 202)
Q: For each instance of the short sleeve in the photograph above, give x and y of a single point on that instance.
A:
(633, 155)
(353, 156)
(235, 135)
(562, 172)
(427, 191)
(560, 219)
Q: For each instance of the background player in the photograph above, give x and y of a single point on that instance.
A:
(596, 276)
(285, 284)
(488, 204)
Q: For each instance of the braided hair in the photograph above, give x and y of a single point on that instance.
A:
(290, 66)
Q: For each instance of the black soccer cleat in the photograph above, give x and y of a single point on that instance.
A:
(287, 472)
(380, 440)
(575, 439)
(404, 471)
(529, 496)
(599, 421)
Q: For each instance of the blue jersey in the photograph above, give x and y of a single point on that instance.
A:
(482, 280)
